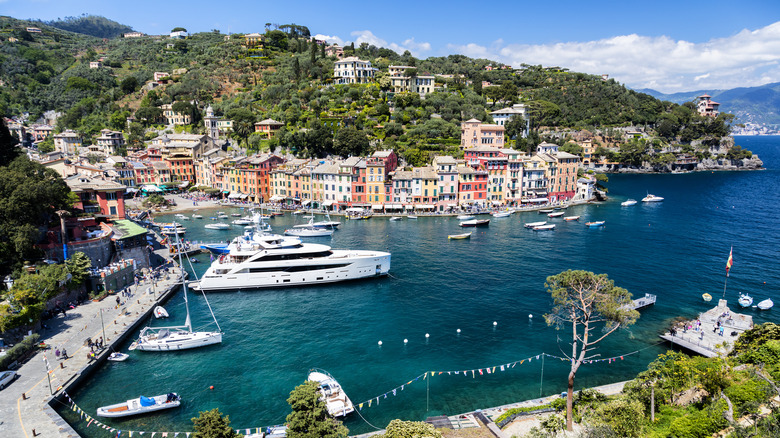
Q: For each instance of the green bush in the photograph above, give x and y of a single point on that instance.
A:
(514, 411)
(699, 424)
(30, 314)
(17, 351)
(747, 395)
(623, 416)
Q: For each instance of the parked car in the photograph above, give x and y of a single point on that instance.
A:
(6, 377)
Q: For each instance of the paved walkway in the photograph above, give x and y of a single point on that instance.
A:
(24, 409)
(704, 335)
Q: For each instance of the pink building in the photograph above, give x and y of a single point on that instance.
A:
(707, 106)
(475, 133)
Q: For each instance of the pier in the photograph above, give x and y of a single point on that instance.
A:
(713, 333)
(641, 303)
(27, 405)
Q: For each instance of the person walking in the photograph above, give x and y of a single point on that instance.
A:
(64, 353)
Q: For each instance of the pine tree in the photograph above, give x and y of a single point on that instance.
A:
(309, 417)
(211, 424)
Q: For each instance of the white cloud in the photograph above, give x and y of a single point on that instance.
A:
(331, 39)
(748, 58)
(415, 48)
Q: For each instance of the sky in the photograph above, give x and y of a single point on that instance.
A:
(669, 46)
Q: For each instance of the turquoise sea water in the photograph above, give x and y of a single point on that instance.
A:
(676, 249)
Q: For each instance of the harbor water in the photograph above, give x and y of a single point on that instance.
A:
(676, 249)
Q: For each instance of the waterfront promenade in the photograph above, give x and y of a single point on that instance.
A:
(24, 405)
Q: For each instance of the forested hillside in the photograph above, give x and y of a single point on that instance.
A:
(288, 78)
(92, 25)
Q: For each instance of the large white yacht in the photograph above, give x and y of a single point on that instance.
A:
(257, 260)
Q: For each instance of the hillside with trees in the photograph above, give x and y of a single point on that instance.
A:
(288, 78)
(92, 25)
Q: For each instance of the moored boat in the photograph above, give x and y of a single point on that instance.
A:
(571, 218)
(534, 224)
(172, 229)
(197, 216)
(465, 217)
(652, 198)
(459, 236)
(331, 392)
(502, 213)
(216, 248)
(411, 216)
(395, 218)
(308, 231)
(140, 405)
(546, 210)
(475, 223)
(217, 226)
(160, 312)
(118, 357)
(707, 297)
(556, 214)
(628, 202)
(548, 227)
(766, 304)
(595, 224)
(745, 300)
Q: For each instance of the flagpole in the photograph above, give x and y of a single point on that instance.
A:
(724, 286)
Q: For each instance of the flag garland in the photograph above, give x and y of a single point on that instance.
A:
(368, 403)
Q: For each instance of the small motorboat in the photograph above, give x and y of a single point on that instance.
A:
(217, 226)
(475, 223)
(535, 224)
(235, 214)
(548, 227)
(140, 405)
(411, 216)
(197, 216)
(571, 218)
(745, 300)
(242, 221)
(595, 224)
(502, 213)
(556, 214)
(459, 236)
(628, 202)
(766, 304)
(546, 210)
(465, 217)
(336, 400)
(118, 357)
(707, 297)
(216, 248)
(172, 229)
(395, 218)
(652, 198)
(160, 312)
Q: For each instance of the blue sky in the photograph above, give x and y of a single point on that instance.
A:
(667, 45)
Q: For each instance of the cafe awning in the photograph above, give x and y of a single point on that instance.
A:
(327, 203)
(425, 206)
(306, 202)
(277, 198)
(376, 207)
(408, 207)
(538, 200)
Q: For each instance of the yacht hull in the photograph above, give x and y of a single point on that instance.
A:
(343, 265)
(177, 342)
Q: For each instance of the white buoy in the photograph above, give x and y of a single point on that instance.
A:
(495, 323)
(530, 315)
(379, 343)
(458, 330)
(427, 335)
(406, 341)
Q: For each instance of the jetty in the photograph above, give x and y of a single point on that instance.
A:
(713, 333)
(641, 303)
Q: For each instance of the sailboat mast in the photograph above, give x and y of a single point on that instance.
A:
(187, 322)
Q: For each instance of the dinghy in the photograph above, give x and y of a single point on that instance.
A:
(160, 312)
(140, 405)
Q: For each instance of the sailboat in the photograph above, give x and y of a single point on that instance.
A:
(177, 337)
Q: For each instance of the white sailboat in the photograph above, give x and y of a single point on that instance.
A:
(177, 337)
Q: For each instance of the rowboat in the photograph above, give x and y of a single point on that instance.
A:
(546, 210)
(745, 300)
(548, 227)
(556, 214)
(766, 304)
(465, 217)
(459, 236)
(502, 213)
(395, 218)
(535, 224)
(571, 218)
(707, 297)
(140, 405)
(160, 312)
(595, 224)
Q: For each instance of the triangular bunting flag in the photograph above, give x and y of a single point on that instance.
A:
(424, 376)
(360, 406)
(494, 369)
(502, 368)
(394, 392)
(432, 373)
(385, 395)
(369, 403)
(480, 371)
(130, 434)
(155, 433)
(402, 387)
(472, 374)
